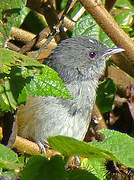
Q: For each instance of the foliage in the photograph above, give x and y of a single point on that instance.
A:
(111, 148)
(96, 153)
(105, 95)
(11, 14)
(22, 76)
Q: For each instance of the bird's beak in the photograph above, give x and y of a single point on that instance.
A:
(112, 51)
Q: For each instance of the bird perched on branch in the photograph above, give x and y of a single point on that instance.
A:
(79, 62)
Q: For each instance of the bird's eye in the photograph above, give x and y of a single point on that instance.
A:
(92, 54)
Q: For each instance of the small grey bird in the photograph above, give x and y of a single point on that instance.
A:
(79, 62)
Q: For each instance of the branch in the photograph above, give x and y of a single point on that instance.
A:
(28, 147)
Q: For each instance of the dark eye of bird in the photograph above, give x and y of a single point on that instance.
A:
(92, 54)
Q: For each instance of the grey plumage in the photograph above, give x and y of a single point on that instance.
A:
(50, 116)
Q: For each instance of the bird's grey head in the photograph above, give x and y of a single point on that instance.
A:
(79, 58)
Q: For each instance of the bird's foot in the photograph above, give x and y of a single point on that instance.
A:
(77, 160)
(42, 146)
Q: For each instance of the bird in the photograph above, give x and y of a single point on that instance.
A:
(79, 62)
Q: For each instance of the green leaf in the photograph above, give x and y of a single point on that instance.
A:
(119, 144)
(22, 97)
(7, 99)
(10, 58)
(35, 81)
(71, 147)
(125, 4)
(18, 85)
(12, 90)
(116, 146)
(81, 174)
(34, 22)
(40, 168)
(88, 26)
(75, 9)
(8, 159)
(4, 105)
(96, 166)
(47, 83)
(105, 95)
(63, 4)
(5, 4)
(12, 13)
(125, 18)
(22, 76)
